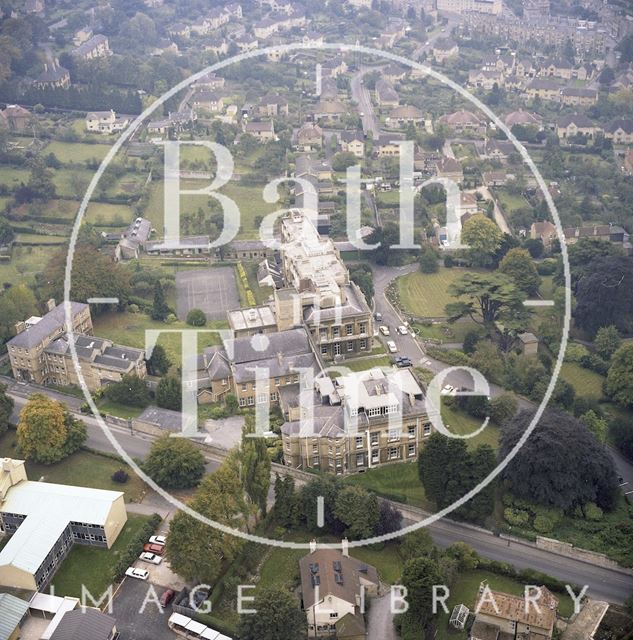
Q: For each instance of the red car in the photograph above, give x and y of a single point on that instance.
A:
(166, 597)
(158, 549)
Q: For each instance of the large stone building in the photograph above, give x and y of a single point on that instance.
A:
(44, 520)
(40, 352)
(355, 422)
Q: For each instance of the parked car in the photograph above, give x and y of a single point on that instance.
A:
(448, 390)
(158, 549)
(152, 558)
(384, 330)
(402, 330)
(403, 361)
(391, 345)
(139, 574)
(378, 316)
(158, 540)
(166, 597)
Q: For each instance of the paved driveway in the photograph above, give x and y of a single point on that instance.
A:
(212, 290)
(380, 619)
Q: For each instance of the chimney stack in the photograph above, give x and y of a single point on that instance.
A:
(313, 545)
(50, 304)
(20, 327)
(345, 547)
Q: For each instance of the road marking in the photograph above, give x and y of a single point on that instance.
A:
(538, 303)
(103, 301)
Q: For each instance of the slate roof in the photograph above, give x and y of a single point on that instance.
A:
(251, 349)
(53, 321)
(84, 624)
(579, 119)
(12, 610)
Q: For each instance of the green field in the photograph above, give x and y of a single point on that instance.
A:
(129, 329)
(397, 481)
(587, 383)
(38, 239)
(92, 566)
(76, 152)
(461, 423)
(13, 176)
(426, 294)
(81, 469)
(249, 200)
(510, 202)
(25, 263)
(104, 214)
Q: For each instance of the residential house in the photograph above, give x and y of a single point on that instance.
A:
(524, 119)
(209, 82)
(95, 47)
(353, 142)
(234, 9)
(500, 614)
(246, 42)
(463, 121)
(613, 233)
(105, 122)
(273, 105)
(209, 101)
(135, 238)
(577, 124)
(386, 95)
(394, 73)
(620, 131)
(333, 68)
(404, 115)
(545, 231)
(312, 38)
(544, 89)
(218, 46)
(524, 68)
(82, 35)
(387, 145)
(444, 49)
(179, 30)
(579, 97)
(251, 321)
(485, 78)
(329, 111)
(44, 521)
(487, 7)
(556, 69)
(334, 590)
(15, 118)
(263, 130)
(309, 137)
(498, 149)
(358, 421)
(54, 76)
(449, 168)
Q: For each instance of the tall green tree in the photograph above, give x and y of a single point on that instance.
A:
(619, 385)
(159, 362)
(196, 551)
(278, 617)
(169, 393)
(175, 463)
(358, 510)
(255, 464)
(519, 266)
(6, 408)
(328, 487)
(607, 341)
(130, 390)
(285, 500)
(483, 237)
(418, 576)
(160, 308)
(560, 465)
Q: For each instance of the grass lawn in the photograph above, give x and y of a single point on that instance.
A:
(81, 469)
(446, 332)
(385, 558)
(461, 423)
(129, 329)
(25, 263)
(510, 202)
(76, 152)
(426, 294)
(92, 566)
(587, 383)
(249, 199)
(13, 176)
(105, 214)
(466, 589)
(38, 239)
(119, 410)
(362, 364)
(398, 481)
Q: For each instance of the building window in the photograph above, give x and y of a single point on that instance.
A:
(242, 402)
(244, 386)
(251, 400)
(411, 431)
(363, 344)
(427, 428)
(375, 437)
(315, 448)
(359, 442)
(277, 382)
(337, 349)
(323, 334)
(374, 411)
(353, 411)
(273, 397)
(261, 398)
(324, 349)
(350, 345)
(391, 409)
(394, 434)
(360, 460)
(394, 453)
(225, 382)
(349, 329)
(336, 331)
(375, 456)
(411, 450)
(315, 461)
(362, 328)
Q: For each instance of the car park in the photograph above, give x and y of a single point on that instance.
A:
(166, 597)
(139, 574)
(152, 558)
(158, 549)
(158, 540)
(391, 345)
(384, 330)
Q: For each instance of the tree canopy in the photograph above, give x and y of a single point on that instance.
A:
(620, 376)
(255, 464)
(278, 617)
(560, 465)
(6, 408)
(519, 266)
(483, 237)
(175, 463)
